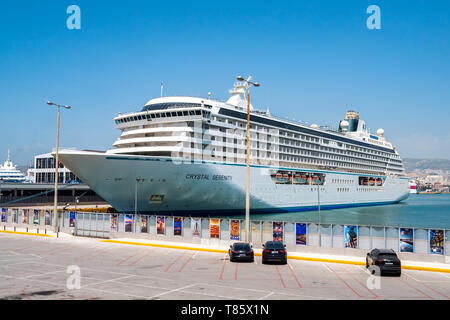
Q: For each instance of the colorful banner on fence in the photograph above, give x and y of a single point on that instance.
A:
(48, 216)
(351, 236)
(36, 216)
(128, 223)
(406, 237)
(3, 215)
(214, 228)
(25, 213)
(177, 226)
(114, 222)
(160, 225)
(437, 241)
(300, 233)
(144, 224)
(235, 230)
(195, 227)
(277, 228)
(72, 218)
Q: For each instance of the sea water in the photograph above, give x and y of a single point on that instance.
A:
(418, 211)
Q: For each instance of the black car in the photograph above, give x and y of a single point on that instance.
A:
(241, 251)
(274, 251)
(386, 260)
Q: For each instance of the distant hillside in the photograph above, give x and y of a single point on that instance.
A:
(423, 164)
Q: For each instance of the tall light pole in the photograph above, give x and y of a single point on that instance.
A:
(247, 192)
(55, 210)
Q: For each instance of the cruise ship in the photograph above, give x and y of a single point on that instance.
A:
(187, 156)
(9, 172)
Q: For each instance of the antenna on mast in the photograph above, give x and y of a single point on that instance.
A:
(162, 88)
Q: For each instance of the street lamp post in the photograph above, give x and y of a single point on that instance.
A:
(55, 210)
(247, 191)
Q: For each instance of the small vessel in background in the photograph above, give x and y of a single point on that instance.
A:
(9, 172)
(412, 187)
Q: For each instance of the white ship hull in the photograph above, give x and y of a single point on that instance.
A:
(214, 189)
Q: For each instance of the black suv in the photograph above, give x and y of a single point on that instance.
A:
(241, 251)
(386, 260)
(274, 251)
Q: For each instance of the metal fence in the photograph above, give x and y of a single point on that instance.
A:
(296, 235)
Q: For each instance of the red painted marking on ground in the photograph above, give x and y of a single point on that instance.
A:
(295, 277)
(364, 286)
(26, 296)
(139, 259)
(185, 264)
(126, 259)
(91, 253)
(236, 272)
(426, 286)
(223, 269)
(418, 290)
(339, 277)
(281, 278)
(170, 265)
(357, 280)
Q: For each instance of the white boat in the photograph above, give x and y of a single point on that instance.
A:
(412, 187)
(9, 172)
(186, 156)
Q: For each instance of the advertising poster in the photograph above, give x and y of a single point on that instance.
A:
(214, 228)
(25, 213)
(234, 230)
(15, 214)
(36, 216)
(3, 215)
(195, 227)
(300, 234)
(71, 219)
(160, 225)
(128, 222)
(351, 236)
(113, 222)
(177, 226)
(144, 224)
(47, 218)
(406, 240)
(278, 231)
(437, 241)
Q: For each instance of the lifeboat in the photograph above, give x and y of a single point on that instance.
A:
(365, 182)
(315, 180)
(371, 182)
(299, 179)
(379, 182)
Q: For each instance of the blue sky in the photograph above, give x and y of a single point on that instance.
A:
(314, 59)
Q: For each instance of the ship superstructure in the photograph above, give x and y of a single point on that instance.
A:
(9, 172)
(187, 155)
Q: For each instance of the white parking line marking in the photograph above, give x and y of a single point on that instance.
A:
(174, 290)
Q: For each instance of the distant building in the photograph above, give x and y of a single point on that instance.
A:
(44, 171)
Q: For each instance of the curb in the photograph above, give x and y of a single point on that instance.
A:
(259, 254)
(27, 233)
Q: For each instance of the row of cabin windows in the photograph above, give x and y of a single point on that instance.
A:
(329, 156)
(167, 114)
(342, 181)
(327, 163)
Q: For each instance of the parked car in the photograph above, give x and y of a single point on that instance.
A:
(386, 260)
(241, 251)
(274, 251)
